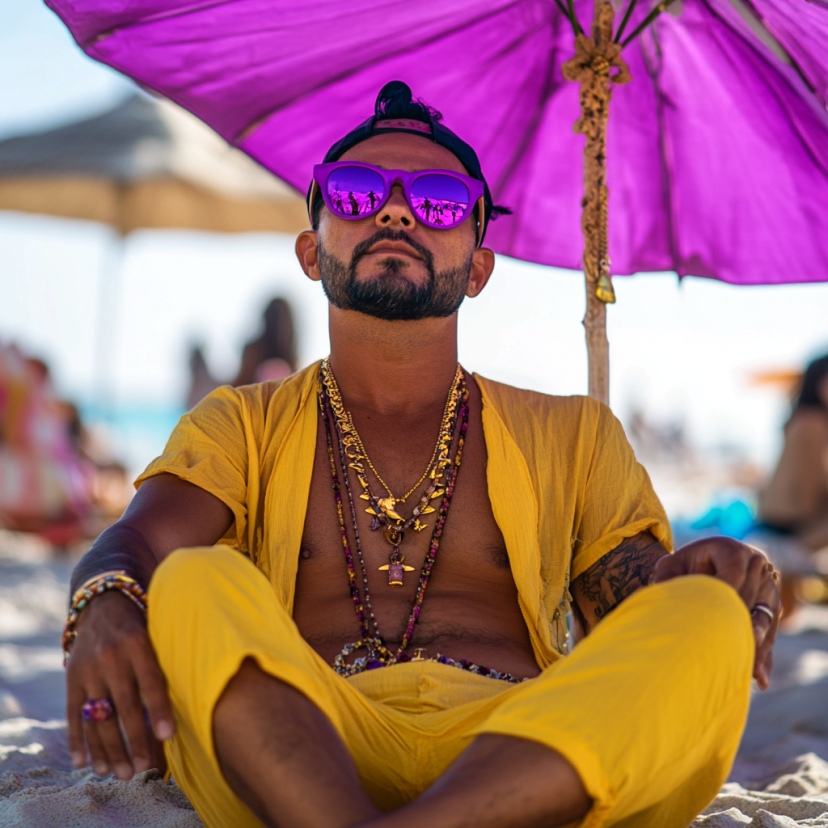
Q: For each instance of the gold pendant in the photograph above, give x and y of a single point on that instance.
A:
(386, 505)
(394, 535)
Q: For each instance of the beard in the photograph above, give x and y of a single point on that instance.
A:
(391, 294)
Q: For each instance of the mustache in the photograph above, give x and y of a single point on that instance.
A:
(388, 234)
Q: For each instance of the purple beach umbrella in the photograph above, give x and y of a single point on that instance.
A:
(716, 153)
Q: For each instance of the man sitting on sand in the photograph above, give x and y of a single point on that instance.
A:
(390, 646)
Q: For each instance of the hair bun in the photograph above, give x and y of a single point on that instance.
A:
(395, 96)
(395, 100)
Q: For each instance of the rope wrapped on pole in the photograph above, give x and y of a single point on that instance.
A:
(597, 65)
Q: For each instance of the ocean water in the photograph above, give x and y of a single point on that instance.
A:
(133, 433)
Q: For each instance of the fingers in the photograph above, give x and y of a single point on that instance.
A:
(757, 587)
(144, 702)
(723, 558)
(101, 738)
(669, 567)
(765, 613)
(153, 691)
(730, 562)
(124, 744)
(756, 573)
(126, 734)
(123, 670)
(75, 698)
(107, 680)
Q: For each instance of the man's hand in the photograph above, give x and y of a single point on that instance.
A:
(749, 572)
(112, 658)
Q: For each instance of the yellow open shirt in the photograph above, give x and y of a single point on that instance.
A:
(564, 484)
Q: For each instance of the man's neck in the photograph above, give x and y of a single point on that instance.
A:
(393, 367)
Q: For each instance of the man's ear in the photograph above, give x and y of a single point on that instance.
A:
(483, 261)
(307, 251)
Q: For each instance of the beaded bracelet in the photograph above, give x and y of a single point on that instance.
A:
(117, 580)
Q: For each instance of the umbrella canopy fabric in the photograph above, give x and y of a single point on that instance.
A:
(717, 151)
(146, 164)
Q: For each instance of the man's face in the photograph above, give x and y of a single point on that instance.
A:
(390, 265)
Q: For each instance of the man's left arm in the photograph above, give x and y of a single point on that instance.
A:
(641, 559)
(614, 577)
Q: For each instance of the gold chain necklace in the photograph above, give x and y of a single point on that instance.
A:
(382, 510)
(446, 417)
(390, 502)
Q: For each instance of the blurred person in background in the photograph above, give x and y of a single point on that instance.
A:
(45, 487)
(202, 381)
(111, 489)
(272, 354)
(793, 506)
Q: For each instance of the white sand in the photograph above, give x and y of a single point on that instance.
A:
(780, 778)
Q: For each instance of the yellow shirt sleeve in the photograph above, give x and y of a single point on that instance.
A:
(209, 448)
(252, 447)
(618, 500)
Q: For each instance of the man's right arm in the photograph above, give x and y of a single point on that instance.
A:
(111, 656)
(167, 513)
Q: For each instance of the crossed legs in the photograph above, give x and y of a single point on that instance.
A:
(283, 758)
(643, 718)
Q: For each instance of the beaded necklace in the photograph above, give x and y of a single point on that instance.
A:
(371, 640)
(383, 510)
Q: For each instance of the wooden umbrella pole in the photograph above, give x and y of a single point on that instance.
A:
(595, 59)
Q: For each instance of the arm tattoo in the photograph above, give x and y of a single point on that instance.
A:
(615, 577)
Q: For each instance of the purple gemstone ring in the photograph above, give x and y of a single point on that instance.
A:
(95, 711)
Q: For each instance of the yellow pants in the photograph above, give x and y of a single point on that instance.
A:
(649, 709)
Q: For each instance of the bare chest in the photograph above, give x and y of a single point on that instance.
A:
(470, 607)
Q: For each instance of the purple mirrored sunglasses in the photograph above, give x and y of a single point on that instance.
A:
(440, 199)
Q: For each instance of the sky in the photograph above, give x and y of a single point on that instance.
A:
(114, 318)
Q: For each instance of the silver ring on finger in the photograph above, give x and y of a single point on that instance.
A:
(763, 609)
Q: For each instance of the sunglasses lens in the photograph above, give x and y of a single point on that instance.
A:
(440, 200)
(355, 191)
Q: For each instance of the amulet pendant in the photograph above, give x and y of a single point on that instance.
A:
(396, 568)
